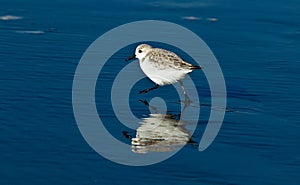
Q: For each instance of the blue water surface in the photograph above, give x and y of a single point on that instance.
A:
(257, 45)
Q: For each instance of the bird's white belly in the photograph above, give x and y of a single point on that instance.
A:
(162, 76)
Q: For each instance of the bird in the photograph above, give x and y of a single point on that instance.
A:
(161, 66)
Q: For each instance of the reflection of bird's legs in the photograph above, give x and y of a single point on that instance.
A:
(148, 105)
(149, 89)
(156, 111)
(187, 100)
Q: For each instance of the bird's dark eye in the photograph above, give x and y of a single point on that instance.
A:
(140, 51)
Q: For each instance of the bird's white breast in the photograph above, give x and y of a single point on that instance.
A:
(161, 73)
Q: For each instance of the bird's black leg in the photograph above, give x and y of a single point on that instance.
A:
(149, 89)
(187, 100)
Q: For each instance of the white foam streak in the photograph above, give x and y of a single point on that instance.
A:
(10, 17)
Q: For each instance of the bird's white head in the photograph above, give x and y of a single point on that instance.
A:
(142, 50)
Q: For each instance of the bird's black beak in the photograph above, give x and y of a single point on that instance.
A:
(130, 58)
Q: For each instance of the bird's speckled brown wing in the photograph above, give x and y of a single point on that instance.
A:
(163, 59)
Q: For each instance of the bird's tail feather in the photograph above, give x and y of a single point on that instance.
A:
(195, 67)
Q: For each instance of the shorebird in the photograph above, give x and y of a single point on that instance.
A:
(163, 67)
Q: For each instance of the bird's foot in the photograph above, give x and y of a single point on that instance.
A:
(144, 91)
(187, 99)
(149, 89)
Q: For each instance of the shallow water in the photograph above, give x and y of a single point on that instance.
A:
(256, 43)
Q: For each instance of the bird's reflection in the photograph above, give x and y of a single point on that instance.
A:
(160, 133)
